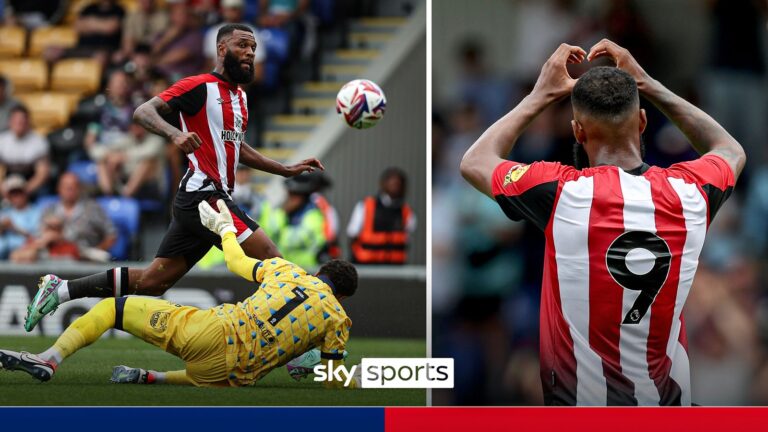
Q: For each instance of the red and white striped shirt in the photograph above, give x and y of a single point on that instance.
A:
(621, 252)
(217, 111)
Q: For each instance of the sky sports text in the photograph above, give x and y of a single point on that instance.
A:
(391, 372)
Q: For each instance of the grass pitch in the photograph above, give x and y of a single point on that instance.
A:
(83, 379)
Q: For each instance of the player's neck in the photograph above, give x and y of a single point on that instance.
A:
(626, 156)
(219, 70)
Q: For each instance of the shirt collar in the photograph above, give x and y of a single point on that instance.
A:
(328, 282)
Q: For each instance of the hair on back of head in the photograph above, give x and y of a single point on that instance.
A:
(228, 29)
(343, 275)
(605, 92)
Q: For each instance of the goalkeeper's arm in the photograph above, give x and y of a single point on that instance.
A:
(221, 223)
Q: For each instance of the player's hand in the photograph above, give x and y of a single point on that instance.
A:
(220, 222)
(188, 142)
(307, 165)
(623, 60)
(554, 81)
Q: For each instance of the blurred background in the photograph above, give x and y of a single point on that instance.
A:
(487, 269)
(83, 187)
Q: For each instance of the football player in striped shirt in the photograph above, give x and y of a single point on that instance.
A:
(622, 238)
(205, 116)
(290, 313)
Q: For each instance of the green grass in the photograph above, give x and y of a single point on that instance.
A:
(83, 379)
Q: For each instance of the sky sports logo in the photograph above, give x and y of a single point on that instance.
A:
(391, 373)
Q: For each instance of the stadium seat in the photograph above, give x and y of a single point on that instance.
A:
(58, 36)
(85, 171)
(48, 110)
(25, 74)
(124, 213)
(13, 40)
(81, 76)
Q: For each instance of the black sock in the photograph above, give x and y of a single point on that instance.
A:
(112, 283)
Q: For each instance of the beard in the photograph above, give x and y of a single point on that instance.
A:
(234, 69)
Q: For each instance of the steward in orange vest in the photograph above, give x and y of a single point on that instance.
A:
(380, 225)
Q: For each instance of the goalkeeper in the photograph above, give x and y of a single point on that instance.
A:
(289, 313)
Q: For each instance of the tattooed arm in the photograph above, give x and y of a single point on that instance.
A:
(149, 115)
(704, 133)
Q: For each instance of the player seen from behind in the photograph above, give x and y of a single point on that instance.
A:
(622, 238)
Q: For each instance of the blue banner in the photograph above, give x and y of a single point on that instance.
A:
(193, 418)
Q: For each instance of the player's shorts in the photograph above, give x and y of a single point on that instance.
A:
(194, 335)
(188, 238)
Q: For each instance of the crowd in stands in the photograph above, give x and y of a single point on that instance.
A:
(71, 74)
(487, 269)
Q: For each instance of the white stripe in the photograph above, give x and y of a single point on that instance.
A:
(639, 215)
(236, 110)
(695, 213)
(216, 123)
(118, 280)
(244, 235)
(570, 231)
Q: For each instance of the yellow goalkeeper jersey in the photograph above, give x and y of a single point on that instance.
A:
(290, 313)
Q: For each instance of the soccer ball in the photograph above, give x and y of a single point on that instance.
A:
(361, 103)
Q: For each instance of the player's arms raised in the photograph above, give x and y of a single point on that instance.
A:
(704, 133)
(253, 159)
(150, 116)
(494, 145)
(221, 223)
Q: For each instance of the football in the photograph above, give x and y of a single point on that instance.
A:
(361, 103)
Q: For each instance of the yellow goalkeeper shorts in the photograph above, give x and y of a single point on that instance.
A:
(195, 336)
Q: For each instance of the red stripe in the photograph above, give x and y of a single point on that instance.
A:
(670, 226)
(229, 124)
(606, 223)
(206, 154)
(240, 226)
(556, 344)
(572, 420)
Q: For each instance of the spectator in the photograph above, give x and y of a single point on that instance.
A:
(116, 114)
(50, 245)
(24, 152)
(279, 13)
(21, 220)
(232, 13)
(132, 165)
(176, 51)
(297, 228)
(380, 225)
(330, 219)
(6, 103)
(35, 13)
(141, 27)
(85, 223)
(99, 27)
(244, 195)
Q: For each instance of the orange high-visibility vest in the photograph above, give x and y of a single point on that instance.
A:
(329, 230)
(380, 247)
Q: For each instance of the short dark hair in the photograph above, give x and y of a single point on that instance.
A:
(228, 29)
(605, 92)
(393, 172)
(342, 274)
(19, 108)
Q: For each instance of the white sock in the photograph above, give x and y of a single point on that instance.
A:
(159, 376)
(51, 355)
(63, 292)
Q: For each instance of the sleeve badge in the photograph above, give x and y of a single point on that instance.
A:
(515, 173)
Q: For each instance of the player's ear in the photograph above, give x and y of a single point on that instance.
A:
(643, 121)
(578, 132)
